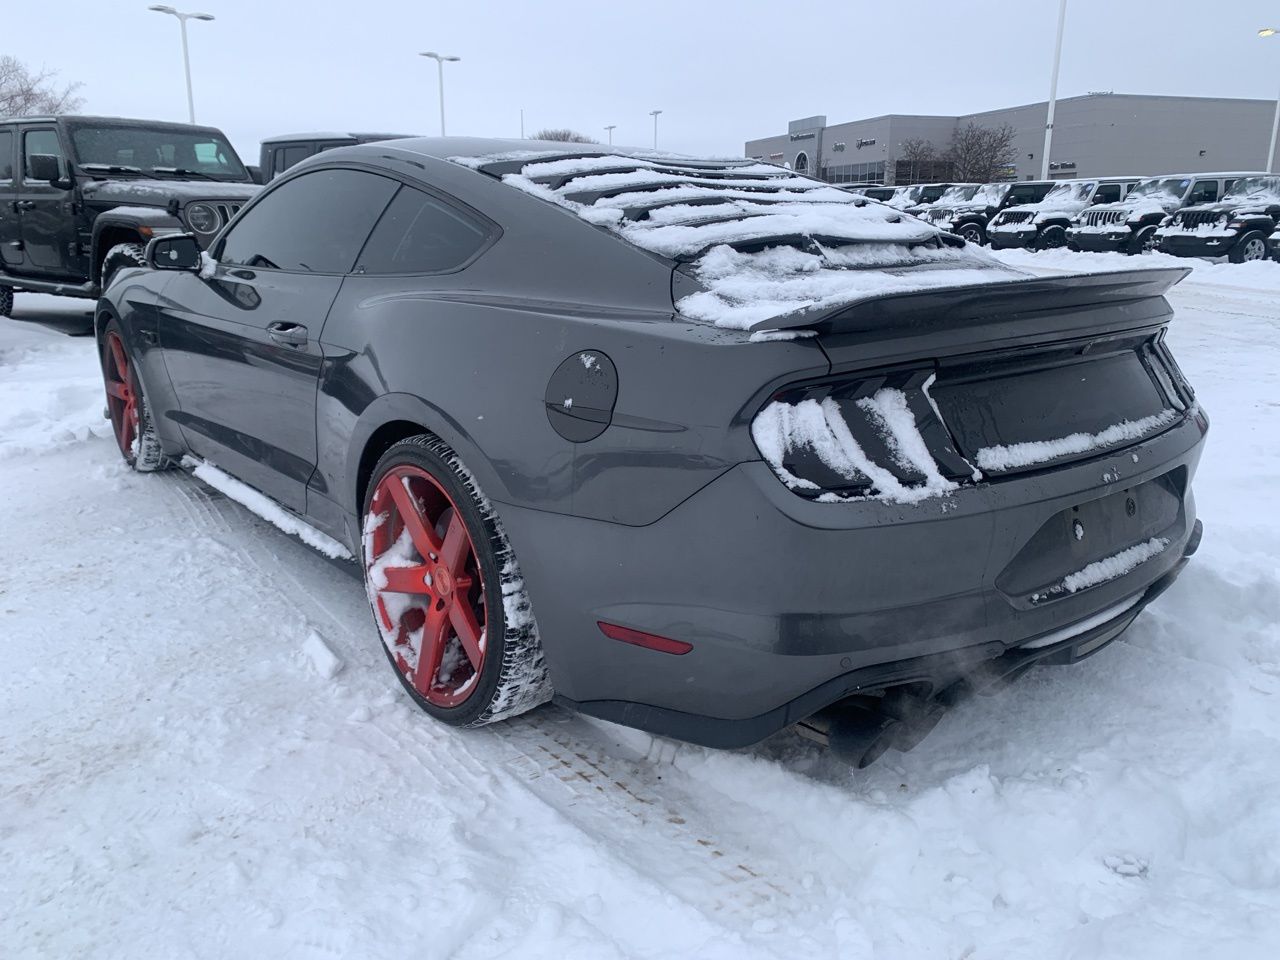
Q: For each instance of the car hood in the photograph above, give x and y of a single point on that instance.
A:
(1065, 208)
(159, 192)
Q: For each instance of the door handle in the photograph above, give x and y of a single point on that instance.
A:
(288, 334)
(24, 205)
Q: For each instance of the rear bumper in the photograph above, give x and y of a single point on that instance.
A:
(791, 605)
(1183, 245)
(1112, 241)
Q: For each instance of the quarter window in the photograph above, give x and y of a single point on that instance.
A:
(419, 234)
(315, 223)
(41, 142)
(6, 155)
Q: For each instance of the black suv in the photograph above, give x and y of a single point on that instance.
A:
(80, 195)
(1238, 226)
(1130, 225)
(966, 211)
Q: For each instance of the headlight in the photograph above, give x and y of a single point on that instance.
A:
(202, 218)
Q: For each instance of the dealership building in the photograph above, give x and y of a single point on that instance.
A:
(1100, 134)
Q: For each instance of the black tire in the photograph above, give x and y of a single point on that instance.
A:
(972, 232)
(1252, 246)
(141, 450)
(515, 681)
(119, 257)
(6, 301)
(1052, 237)
(1144, 241)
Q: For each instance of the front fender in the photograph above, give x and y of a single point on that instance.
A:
(144, 222)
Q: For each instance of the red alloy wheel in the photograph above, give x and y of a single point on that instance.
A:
(425, 585)
(122, 401)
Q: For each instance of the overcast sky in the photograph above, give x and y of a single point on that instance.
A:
(722, 72)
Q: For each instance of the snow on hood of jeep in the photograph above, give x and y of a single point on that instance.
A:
(160, 192)
(760, 240)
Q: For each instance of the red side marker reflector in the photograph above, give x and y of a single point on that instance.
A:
(642, 639)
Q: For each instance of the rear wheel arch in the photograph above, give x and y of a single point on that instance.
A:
(394, 417)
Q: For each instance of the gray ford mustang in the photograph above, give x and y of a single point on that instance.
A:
(703, 447)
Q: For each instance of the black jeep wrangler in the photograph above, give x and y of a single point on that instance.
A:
(80, 196)
(1240, 225)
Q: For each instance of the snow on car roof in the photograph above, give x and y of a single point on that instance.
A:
(762, 241)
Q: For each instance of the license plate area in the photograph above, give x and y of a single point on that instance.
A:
(1091, 531)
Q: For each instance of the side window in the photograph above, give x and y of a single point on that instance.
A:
(1107, 193)
(37, 142)
(420, 234)
(1203, 191)
(1226, 186)
(1017, 195)
(6, 155)
(285, 157)
(315, 223)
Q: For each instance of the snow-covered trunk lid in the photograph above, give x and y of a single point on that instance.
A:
(930, 392)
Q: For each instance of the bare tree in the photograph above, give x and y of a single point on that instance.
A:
(23, 93)
(981, 154)
(914, 152)
(563, 134)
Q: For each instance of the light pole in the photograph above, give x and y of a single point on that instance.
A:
(1053, 92)
(440, 61)
(186, 57)
(610, 128)
(654, 114)
(1275, 124)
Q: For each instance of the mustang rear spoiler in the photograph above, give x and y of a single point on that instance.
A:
(953, 308)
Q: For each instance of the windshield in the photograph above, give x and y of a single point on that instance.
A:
(990, 194)
(1173, 186)
(157, 151)
(1075, 192)
(1254, 187)
(959, 194)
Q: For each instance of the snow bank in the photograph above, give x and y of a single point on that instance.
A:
(51, 391)
(782, 428)
(266, 508)
(1011, 456)
(864, 248)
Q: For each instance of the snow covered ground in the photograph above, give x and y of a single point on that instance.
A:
(203, 752)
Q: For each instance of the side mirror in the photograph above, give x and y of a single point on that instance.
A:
(174, 252)
(44, 168)
(255, 174)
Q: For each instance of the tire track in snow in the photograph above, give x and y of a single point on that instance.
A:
(561, 760)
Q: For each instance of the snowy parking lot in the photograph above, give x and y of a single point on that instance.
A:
(203, 752)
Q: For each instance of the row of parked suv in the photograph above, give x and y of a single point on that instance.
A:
(1193, 215)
